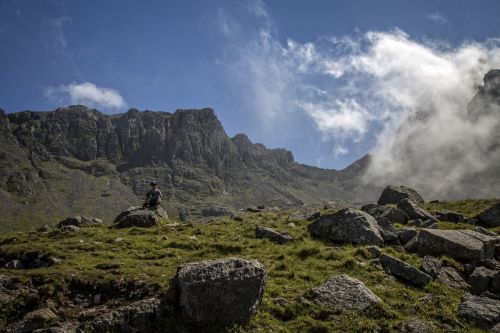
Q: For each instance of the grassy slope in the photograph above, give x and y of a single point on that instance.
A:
(152, 255)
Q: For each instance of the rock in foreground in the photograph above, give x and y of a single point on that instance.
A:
(463, 245)
(220, 293)
(483, 311)
(138, 217)
(490, 217)
(348, 225)
(404, 271)
(345, 292)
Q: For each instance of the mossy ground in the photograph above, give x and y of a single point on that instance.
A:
(153, 255)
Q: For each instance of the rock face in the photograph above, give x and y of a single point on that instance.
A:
(273, 235)
(345, 292)
(138, 217)
(490, 217)
(140, 316)
(462, 245)
(394, 194)
(80, 221)
(348, 226)
(484, 311)
(221, 293)
(404, 271)
(415, 212)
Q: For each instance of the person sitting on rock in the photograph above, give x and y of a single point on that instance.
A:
(153, 197)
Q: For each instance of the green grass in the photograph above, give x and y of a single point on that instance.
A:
(153, 255)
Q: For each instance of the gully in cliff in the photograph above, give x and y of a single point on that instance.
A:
(153, 197)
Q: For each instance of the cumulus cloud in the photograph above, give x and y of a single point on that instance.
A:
(411, 95)
(86, 93)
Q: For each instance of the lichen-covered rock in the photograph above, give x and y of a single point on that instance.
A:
(140, 316)
(80, 221)
(273, 235)
(451, 278)
(406, 234)
(139, 217)
(462, 245)
(431, 266)
(220, 293)
(404, 271)
(394, 194)
(490, 217)
(345, 292)
(415, 212)
(348, 225)
(483, 311)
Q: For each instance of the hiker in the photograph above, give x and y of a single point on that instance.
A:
(153, 197)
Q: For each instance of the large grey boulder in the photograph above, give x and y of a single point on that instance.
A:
(220, 293)
(387, 230)
(404, 271)
(139, 217)
(394, 194)
(490, 217)
(80, 221)
(345, 292)
(406, 234)
(140, 316)
(449, 216)
(273, 235)
(483, 311)
(463, 245)
(393, 214)
(415, 212)
(348, 225)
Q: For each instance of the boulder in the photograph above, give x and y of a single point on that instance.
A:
(393, 214)
(348, 225)
(480, 280)
(490, 217)
(138, 217)
(431, 266)
(70, 228)
(417, 326)
(140, 316)
(449, 216)
(80, 221)
(404, 271)
(394, 194)
(387, 230)
(462, 245)
(483, 311)
(406, 234)
(415, 212)
(273, 235)
(485, 231)
(345, 292)
(374, 251)
(35, 320)
(216, 211)
(451, 278)
(220, 293)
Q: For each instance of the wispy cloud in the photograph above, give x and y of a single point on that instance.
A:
(86, 93)
(56, 35)
(437, 17)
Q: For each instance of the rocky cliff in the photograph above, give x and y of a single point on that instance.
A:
(79, 159)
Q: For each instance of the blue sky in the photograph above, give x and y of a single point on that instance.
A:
(304, 75)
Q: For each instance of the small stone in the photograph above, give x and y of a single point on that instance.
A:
(374, 251)
(97, 299)
(14, 264)
(273, 235)
(118, 240)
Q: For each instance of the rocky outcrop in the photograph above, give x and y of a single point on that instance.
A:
(394, 194)
(404, 271)
(490, 217)
(273, 235)
(80, 221)
(462, 245)
(220, 293)
(348, 225)
(344, 292)
(139, 217)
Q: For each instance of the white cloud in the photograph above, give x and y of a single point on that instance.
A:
(411, 95)
(86, 93)
(437, 18)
